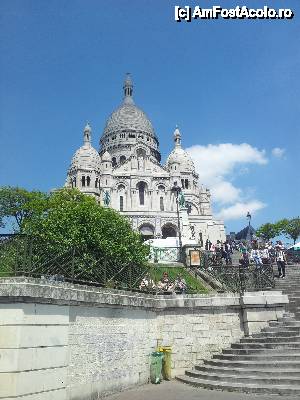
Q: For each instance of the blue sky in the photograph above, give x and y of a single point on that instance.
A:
(233, 88)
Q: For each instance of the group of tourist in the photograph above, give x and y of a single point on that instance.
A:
(258, 253)
(220, 251)
(165, 284)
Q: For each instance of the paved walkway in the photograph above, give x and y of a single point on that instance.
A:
(174, 390)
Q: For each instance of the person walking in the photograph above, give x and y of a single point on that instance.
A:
(280, 259)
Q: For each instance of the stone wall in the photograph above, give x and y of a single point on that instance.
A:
(62, 342)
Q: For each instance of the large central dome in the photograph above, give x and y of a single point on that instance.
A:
(128, 117)
(128, 129)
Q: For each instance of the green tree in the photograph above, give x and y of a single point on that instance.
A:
(291, 228)
(268, 231)
(76, 221)
(18, 205)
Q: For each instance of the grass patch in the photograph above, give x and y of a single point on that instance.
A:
(194, 285)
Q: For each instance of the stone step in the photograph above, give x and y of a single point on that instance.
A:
(241, 387)
(256, 378)
(248, 370)
(266, 346)
(272, 339)
(259, 357)
(282, 328)
(268, 351)
(286, 324)
(287, 319)
(257, 364)
(277, 334)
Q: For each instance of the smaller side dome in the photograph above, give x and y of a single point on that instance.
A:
(86, 157)
(180, 156)
(106, 157)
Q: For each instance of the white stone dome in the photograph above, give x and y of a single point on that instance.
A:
(106, 157)
(180, 156)
(128, 117)
(86, 157)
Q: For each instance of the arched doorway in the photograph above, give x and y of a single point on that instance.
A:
(168, 230)
(147, 231)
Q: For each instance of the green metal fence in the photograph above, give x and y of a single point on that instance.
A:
(21, 255)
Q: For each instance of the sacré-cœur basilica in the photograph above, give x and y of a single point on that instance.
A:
(127, 175)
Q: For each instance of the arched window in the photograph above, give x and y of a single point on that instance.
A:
(83, 181)
(114, 161)
(88, 181)
(141, 189)
(121, 203)
(122, 159)
(182, 183)
(96, 183)
(161, 203)
(74, 181)
(186, 183)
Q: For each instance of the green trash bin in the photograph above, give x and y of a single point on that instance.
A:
(156, 359)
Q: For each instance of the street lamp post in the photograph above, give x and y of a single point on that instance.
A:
(177, 190)
(248, 216)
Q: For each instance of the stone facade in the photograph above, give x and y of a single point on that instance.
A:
(65, 342)
(128, 176)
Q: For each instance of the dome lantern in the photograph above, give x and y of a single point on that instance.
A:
(87, 133)
(128, 89)
(177, 137)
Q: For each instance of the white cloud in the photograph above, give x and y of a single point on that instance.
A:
(224, 192)
(278, 152)
(217, 165)
(240, 210)
(213, 162)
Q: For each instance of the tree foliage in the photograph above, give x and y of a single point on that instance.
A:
(74, 220)
(268, 231)
(70, 234)
(18, 205)
(289, 228)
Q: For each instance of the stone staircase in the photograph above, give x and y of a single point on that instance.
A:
(266, 362)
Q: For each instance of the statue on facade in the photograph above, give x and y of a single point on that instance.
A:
(181, 200)
(106, 198)
(192, 228)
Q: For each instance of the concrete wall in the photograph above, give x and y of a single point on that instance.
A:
(63, 342)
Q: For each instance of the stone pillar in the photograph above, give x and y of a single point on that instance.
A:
(185, 225)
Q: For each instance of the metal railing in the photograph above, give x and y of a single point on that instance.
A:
(25, 256)
(236, 278)
(21, 255)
